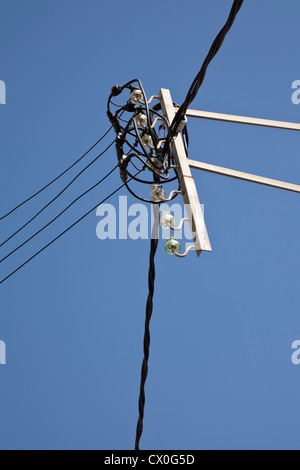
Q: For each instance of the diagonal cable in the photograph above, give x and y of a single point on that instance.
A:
(61, 235)
(57, 196)
(59, 215)
(55, 179)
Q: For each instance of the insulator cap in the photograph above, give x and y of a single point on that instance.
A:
(147, 141)
(157, 193)
(172, 245)
(166, 219)
(136, 96)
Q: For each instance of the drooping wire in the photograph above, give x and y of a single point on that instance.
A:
(60, 235)
(57, 178)
(59, 215)
(199, 79)
(58, 195)
(149, 310)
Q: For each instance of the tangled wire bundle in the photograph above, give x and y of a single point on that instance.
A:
(143, 137)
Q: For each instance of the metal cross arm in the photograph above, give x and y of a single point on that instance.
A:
(238, 174)
(184, 165)
(243, 120)
(244, 176)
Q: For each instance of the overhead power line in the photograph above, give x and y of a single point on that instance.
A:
(60, 235)
(58, 195)
(55, 179)
(59, 215)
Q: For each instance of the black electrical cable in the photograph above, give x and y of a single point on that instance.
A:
(140, 148)
(162, 182)
(148, 201)
(148, 163)
(216, 46)
(59, 215)
(60, 235)
(57, 178)
(149, 310)
(57, 196)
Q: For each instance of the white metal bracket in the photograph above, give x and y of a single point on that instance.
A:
(187, 183)
(188, 187)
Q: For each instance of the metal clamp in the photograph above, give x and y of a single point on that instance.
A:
(180, 225)
(172, 193)
(183, 255)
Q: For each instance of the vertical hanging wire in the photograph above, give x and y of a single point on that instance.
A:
(149, 310)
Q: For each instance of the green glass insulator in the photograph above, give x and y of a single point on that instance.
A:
(172, 245)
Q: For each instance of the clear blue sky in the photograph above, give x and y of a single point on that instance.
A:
(221, 375)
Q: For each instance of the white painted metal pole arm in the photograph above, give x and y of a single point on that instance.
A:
(218, 170)
(243, 120)
(187, 184)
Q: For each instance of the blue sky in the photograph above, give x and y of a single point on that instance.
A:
(221, 375)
